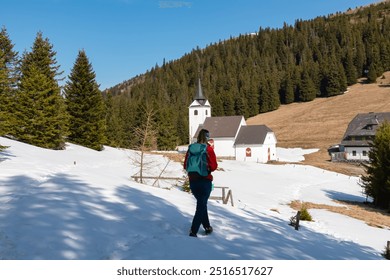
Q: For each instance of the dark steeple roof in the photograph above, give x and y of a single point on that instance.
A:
(199, 94)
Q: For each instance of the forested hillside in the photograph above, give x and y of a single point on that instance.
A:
(247, 75)
(255, 73)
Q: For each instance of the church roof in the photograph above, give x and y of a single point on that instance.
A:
(252, 134)
(222, 126)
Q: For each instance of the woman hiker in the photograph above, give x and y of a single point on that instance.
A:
(201, 185)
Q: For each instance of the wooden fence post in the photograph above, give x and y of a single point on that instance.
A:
(225, 199)
(225, 196)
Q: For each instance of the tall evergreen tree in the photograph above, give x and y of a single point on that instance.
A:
(167, 138)
(372, 73)
(40, 108)
(350, 69)
(287, 90)
(4, 105)
(376, 183)
(85, 105)
(334, 81)
(9, 79)
(307, 91)
(240, 106)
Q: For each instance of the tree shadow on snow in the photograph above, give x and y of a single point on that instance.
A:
(61, 217)
(272, 238)
(4, 154)
(335, 195)
(65, 218)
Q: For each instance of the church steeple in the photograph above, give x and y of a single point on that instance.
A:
(199, 93)
(198, 111)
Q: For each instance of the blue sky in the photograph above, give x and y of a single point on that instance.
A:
(125, 38)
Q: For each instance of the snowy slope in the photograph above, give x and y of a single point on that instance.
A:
(82, 204)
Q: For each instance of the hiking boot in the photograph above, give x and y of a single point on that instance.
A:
(208, 230)
(193, 234)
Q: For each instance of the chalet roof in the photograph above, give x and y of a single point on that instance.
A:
(252, 134)
(222, 126)
(363, 128)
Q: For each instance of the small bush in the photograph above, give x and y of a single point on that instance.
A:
(186, 186)
(305, 215)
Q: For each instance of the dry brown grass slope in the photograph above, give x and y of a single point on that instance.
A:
(323, 121)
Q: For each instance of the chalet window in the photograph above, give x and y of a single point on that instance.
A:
(196, 112)
(364, 153)
(368, 127)
(354, 153)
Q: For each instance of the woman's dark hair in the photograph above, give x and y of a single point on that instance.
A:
(203, 136)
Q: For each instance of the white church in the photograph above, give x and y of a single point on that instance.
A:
(230, 136)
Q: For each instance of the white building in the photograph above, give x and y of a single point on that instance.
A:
(230, 136)
(360, 132)
(255, 143)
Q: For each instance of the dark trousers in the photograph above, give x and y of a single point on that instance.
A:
(201, 189)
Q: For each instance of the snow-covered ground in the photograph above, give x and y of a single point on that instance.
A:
(82, 204)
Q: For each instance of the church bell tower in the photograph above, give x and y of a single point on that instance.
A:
(198, 111)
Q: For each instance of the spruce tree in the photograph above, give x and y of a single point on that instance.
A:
(307, 91)
(4, 114)
(40, 108)
(112, 121)
(376, 183)
(9, 79)
(85, 105)
(240, 106)
(350, 69)
(228, 104)
(287, 90)
(167, 138)
(372, 74)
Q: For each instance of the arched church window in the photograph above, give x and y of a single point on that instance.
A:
(196, 112)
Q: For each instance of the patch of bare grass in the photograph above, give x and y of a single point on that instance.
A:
(362, 211)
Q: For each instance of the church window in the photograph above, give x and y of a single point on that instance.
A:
(196, 112)
(207, 112)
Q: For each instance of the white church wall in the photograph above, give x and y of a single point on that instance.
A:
(270, 142)
(253, 153)
(224, 147)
